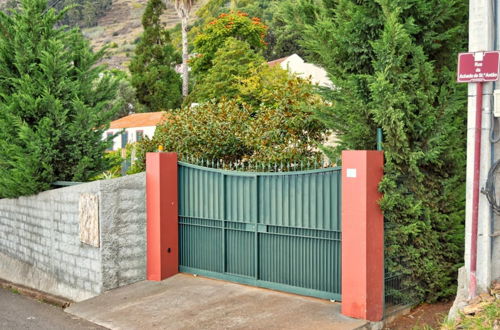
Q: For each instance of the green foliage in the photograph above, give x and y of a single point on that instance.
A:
(214, 35)
(286, 20)
(232, 131)
(233, 63)
(239, 73)
(126, 101)
(486, 318)
(89, 14)
(54, 103)
(81, 13)
(115, 159)
(158, 86)
(268, 120)
(387, 61)
(211, 9)
(249, 111)
(120, 159)
(85, 13)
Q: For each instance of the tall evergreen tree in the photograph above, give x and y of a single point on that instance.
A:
(423, 187)
(157, 84)
(392, 63)
(53, 102)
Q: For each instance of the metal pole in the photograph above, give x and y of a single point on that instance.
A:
(379, 139)
(475, 190)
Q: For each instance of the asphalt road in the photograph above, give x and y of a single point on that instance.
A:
(20, 312)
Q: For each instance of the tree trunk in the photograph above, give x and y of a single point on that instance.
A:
(185, 57)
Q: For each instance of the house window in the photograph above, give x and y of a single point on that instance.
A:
(139, 135)
(124, 139)
(108, 136)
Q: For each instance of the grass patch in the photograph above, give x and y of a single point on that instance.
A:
(487, 319)
(93, 32)
(15, 291)
(127, 48)
(137, 5)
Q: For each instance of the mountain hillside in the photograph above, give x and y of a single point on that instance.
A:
(121, 27)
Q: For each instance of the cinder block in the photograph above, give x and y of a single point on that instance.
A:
(95, 266)
(84, 263)
(131, 274)
(97, 288)
(83, 273)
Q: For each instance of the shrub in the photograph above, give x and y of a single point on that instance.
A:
(54, 103)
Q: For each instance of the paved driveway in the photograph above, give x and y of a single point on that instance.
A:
(188, 302)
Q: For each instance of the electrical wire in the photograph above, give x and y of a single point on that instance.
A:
(489, 188)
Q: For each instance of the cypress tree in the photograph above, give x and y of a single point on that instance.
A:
(393, 63)
(53, 102)
(424, 163)
(157, 85)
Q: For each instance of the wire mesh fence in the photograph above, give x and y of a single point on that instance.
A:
(397, 290)
(400, 289)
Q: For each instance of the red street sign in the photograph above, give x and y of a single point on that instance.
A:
(478, 66)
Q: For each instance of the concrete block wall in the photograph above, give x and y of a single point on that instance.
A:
(40, 243)
(123, 230)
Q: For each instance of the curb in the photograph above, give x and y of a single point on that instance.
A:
(388, 317)
(38, 295)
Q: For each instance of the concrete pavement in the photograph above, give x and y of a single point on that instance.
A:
(188, 302)
(20, 312)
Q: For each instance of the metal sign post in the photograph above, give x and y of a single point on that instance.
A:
(477, 68)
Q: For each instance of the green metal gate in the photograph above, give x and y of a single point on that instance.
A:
(274, 230)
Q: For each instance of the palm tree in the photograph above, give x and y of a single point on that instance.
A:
(183, 8)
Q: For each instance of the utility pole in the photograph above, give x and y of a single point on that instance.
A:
(478, 250)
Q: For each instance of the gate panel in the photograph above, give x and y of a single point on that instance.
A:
(200, 219)
(302, 261)
(275, 230)
(307, 200)
(240, 252)
(239, 198)
(240, 213)
(200, 243)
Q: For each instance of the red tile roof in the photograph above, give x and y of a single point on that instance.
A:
(278, 61)
(138, 120)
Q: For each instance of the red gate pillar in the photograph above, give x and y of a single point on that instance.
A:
(362, 235)
(162, 216)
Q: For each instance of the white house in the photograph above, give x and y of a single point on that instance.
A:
(295, 64)
(133, 128)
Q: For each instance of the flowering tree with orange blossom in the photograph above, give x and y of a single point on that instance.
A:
(234, 24)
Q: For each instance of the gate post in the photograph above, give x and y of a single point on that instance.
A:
(162, 215)
(362, 235)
